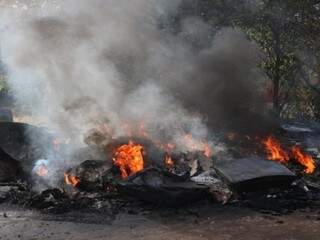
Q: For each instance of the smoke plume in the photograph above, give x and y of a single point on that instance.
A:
(80, 63)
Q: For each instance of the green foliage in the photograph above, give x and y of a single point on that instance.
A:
(287, 32)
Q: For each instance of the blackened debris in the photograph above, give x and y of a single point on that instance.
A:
(254, 173)
(160, 187)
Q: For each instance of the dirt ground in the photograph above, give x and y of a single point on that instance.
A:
(198, 222)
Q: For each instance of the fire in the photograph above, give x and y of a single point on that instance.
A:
(197, 145)
(274, 150)
(207, 151)
(129, 159)
(304, 159)
(276, 153)
(71, 180)
(168, 161)
(42, 170)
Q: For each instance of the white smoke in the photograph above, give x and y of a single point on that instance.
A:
(69, 62)
(74, 62)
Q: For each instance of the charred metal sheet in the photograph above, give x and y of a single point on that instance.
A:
(156, 186)
(24, 142)
(254, 173)
(10, 169)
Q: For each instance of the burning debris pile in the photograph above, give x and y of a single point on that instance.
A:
(139, 102)
(138, 168)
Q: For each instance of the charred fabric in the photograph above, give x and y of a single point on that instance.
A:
(274, 171)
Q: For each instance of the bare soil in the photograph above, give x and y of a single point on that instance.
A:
(201, 221)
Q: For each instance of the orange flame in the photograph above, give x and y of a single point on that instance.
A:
(42, 170)
(304, 159)
(274, 150)
(168, 161)
(207, 150)
(71, 180)
(129, 159)
(276, 153)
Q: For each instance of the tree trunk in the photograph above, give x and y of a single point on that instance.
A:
(277, 74)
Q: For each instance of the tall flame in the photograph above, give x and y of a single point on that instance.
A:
(304, 159)
(71, 180)
(129, 159)
(274, 150)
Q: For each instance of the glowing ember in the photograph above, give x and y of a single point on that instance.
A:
(71, 180)
(304, 159)
(168, 161)
(274, 150)
(129, 159)
(42, 170)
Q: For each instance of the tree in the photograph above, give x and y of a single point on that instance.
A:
(287, 31)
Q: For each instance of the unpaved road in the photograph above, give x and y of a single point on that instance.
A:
(199, 222)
